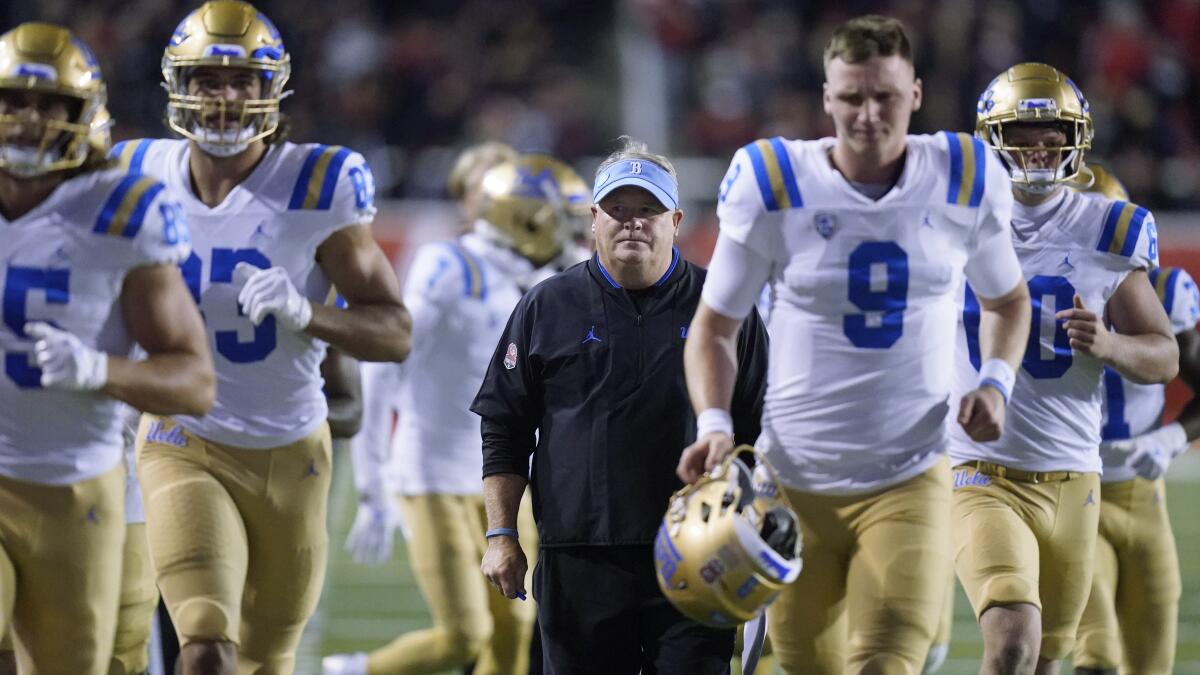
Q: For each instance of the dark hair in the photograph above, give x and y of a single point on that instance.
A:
(866, 36)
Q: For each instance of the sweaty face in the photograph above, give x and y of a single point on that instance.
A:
(25, 114)
(871, 102)
(631, 226)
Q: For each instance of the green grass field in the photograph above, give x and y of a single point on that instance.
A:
(364, 607)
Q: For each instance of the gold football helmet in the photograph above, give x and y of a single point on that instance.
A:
(1035, 93)
(728, 544)
(1105, 183)
(48, 60)
(100, 136)
(227, 34)
(531, 206)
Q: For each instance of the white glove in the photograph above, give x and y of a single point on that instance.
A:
(1153, 451)
(270, 291)
(374, 530)
(66, 362)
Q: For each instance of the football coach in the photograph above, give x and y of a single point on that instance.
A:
(588, 378)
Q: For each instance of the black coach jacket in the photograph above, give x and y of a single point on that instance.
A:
(597, 372)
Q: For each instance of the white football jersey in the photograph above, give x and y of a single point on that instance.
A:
(65, 263)
(1132, 409)
(863, 300)
(460, 294)
(1072, 245)
(268, 378)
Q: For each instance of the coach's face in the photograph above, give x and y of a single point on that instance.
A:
(871, 103)
(633, 229)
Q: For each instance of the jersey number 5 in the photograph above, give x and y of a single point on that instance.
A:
(221, 272)
(18, 283)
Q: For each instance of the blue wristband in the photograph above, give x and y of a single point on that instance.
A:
(501, 532)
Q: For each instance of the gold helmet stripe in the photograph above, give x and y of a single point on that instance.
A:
(126, 207)
(968, 169)
(773, 170)
(1122, 227)
(318, 178)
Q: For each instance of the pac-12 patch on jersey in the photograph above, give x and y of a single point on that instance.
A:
(510, 356)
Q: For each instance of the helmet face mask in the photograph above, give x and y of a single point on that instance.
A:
(221, 41)
(50, 91)
(1040, 97)
(728, 544)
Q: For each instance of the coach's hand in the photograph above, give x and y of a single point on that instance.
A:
(504, 566)
(1086, 332)
(703, 455)
(981, 413)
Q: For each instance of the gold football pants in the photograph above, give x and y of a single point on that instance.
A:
(871, 591)
(237, 538)
(1018, 542)
(1131, 617)
(60, 570)
(472, 622)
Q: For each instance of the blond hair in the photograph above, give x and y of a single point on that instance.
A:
(864, 37)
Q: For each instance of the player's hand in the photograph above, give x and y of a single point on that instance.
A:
(504, 566)
(1085, 330)
(703, 455)
(270, 291)
(981, 414)
(374, 531)
(1153, 451)
(65, 361)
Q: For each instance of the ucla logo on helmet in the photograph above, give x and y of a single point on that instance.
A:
(235, 51)
(38, 71)
(825, 223)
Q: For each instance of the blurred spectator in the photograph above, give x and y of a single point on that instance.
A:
(406, 83)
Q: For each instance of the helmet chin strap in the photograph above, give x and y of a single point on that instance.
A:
(226, 143)
(1035, 181)
(25, 161)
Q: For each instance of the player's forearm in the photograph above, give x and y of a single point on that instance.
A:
(502, 499)
(381, 332)
(163, 384)
(1004, 328)
(710, 362)
(1150, 358)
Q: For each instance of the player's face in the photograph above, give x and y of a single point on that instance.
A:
(631, 226)
(25, 114)
(871, 103)
(1045, 142)
(227, 88)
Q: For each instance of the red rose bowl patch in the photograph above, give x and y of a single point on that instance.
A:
(510, 357)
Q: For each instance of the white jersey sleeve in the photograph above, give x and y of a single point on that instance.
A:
(1179, 296)
(142, 209)
(338, 181)
(992, 266)
(736, 279)
(1129, 232)
(370, 450)
(742, 209)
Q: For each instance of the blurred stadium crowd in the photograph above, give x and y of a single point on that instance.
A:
(409, 82)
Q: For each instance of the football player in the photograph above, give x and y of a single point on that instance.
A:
(236, 500)
(89, 269)
(1026, 507)
(864, 238)
(1130, 620)
(460, 293)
